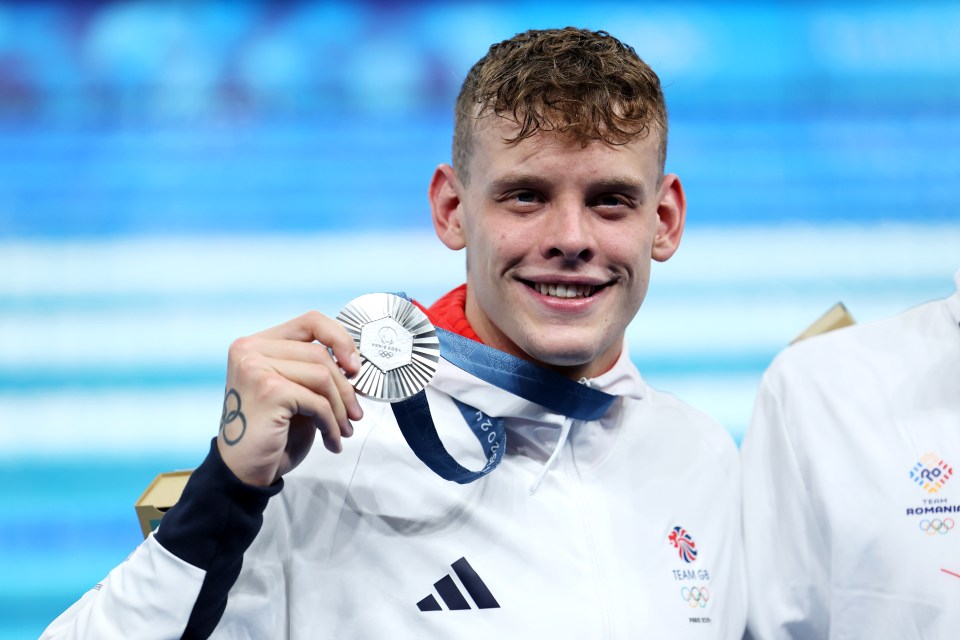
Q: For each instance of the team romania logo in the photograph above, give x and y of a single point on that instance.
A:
(684, 544)
(931, 473)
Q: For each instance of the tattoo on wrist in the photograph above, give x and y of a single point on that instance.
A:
(232, 414)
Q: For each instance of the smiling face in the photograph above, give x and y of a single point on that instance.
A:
(559, 239)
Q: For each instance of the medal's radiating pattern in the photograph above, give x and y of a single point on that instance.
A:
(399, 348)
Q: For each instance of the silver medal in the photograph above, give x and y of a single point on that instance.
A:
(399, 348)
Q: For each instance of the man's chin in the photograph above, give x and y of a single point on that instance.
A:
(566, 359)
(572, 353)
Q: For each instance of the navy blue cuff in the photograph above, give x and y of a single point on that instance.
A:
(211, 527)
(217, 514)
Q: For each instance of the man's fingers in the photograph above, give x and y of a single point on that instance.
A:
(327, 381)
(320, 411)
(295, 350)
(313, 325)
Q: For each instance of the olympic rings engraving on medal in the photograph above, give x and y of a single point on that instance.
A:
(228, 417)
(695, 596)
(935, 526)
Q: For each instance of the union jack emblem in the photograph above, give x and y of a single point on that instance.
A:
(684, 544)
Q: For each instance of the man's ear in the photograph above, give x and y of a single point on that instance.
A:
(672, 215)
(445, 204)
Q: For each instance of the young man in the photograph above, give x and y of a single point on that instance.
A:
(850, 495)
(620, 525)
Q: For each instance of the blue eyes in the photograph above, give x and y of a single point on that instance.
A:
(606, 200)
(611, 201)
(526, 197)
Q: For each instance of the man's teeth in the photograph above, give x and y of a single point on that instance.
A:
(565, 290)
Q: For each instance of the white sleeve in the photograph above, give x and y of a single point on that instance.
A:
(785, 545)
(177, 582)
(152, 592)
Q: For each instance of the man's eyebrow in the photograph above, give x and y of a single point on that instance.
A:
(620, 184)
(510, 181)
(629, 186)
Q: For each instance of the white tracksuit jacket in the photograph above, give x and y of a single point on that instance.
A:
(356, 544)
(851, 499)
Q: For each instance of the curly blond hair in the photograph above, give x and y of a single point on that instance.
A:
(586, 85)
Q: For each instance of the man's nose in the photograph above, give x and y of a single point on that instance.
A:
(568, 234)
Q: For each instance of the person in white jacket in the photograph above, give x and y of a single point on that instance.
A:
(851, 501)
(614, 511)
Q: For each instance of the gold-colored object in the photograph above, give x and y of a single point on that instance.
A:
(159, 496)
(835, 318)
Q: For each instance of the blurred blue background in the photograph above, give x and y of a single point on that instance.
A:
(177, 174)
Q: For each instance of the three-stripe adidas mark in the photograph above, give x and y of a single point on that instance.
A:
(451, 595)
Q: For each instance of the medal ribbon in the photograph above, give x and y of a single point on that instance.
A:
(519, 377)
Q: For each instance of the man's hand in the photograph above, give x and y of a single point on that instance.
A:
(282, 386)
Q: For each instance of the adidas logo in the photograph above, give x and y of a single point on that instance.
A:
(451, 595)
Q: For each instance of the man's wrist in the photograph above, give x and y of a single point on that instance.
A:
(215, 505)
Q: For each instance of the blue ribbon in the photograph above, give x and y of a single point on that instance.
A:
(524, 379)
